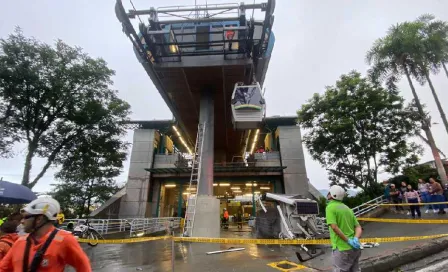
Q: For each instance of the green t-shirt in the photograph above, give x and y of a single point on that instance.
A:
(341, 215)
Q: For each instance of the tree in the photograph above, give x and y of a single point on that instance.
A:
(51, 98)
(390, 59)
(431, 54)
(88, 172)
(357, 128)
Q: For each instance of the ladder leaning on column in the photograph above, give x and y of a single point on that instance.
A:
(190, 211)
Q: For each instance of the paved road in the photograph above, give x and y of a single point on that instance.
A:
(156, 255)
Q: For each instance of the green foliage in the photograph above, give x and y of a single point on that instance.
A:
(55, 99)
(357, 128)
(88, 172)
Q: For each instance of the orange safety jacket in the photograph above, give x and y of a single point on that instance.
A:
(63, 250)
(6, 242)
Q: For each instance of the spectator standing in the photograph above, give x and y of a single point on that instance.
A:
(395, 196)
(423, 189)
(412, 197)
(436, 191)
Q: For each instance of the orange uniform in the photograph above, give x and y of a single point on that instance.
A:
(6, 242)
(226, 215)
(63, 250)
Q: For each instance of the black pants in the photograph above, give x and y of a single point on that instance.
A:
(414, 208)
(398, 201)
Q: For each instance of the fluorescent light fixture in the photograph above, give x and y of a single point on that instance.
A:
(250, 185)
(186, 193)
(265, 188)
(182, 140)
(235, 188)
(224, 184)
(215, 184)
(237, 191)
(257, 192)
(191, 189)
(170, 185)
(247, 194)
(255, 141)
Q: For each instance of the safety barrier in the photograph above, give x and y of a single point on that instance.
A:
(405, 221)
(104, 226)
(130, 226)
(261, 241)
(144, 226)
(358, 211)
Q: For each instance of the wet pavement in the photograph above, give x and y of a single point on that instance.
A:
(156, 255)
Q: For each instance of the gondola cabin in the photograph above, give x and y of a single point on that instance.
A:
(248, 106)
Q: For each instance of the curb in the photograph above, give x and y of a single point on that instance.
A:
(409, 255)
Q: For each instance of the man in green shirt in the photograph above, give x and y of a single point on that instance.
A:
(345, 232)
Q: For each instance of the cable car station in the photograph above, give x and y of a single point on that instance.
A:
(220, 150)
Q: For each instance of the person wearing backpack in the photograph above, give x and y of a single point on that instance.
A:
(8, 236)
(45, 248)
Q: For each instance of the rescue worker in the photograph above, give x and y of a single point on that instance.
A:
(229, 36)
(45, 248)
(225, 219)
(3, 220)
(8, 237)
(345, 232)
(17, 219)
(60, 219)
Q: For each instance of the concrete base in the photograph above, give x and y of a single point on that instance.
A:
(207, 218)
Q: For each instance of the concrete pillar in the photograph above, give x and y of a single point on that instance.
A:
(135, 202)
(207, 116)
(294, 176)
(207, 221)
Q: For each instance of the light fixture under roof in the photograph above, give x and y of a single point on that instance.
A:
(224, 184)
(250, 185)
(265, 188)
(235, 188)
(170, 185)
(215, 184)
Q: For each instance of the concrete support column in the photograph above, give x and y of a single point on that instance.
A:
(135, 202)
(207, 116)
(294, 176)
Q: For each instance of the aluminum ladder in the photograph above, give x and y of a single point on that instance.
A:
(190, 211)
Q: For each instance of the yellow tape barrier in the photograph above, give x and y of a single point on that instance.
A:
(124, 241)
(408, 204)
(259, 241)
(405, 221)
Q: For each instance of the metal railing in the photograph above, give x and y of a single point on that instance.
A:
(358, 211)
(144, 226)
(131, 226)
(104, 226)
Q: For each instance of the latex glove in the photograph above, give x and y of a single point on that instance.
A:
(354, 242)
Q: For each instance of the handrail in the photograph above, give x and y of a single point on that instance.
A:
(358, 211)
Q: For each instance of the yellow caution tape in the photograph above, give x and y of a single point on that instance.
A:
(405, 221)
(123, 241)
(408, 204)
(259, 241)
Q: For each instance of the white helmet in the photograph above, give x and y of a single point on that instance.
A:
(47, 206)
(337, 192)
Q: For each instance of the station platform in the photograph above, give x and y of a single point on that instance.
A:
(156, 255)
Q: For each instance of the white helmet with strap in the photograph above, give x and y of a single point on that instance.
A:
(47, 206)
(337, 192)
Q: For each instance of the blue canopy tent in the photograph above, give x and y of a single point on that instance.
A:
(13, 193)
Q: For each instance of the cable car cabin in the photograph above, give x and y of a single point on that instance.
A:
(248, 106)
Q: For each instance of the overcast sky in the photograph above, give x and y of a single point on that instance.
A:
(316, 42)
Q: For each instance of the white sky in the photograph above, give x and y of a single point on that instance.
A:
(316, 42)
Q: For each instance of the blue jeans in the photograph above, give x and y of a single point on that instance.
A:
(438, 198)
(426, 198)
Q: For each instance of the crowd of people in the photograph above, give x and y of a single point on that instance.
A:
(431, 193)
(31, 241)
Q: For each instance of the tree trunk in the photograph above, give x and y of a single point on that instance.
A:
(435, 153)
(28, 164)
(439, 106)
(444, 68)
(89, 195)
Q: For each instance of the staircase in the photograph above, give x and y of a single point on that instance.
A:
(194, 183)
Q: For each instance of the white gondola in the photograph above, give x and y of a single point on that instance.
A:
(248, 106)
